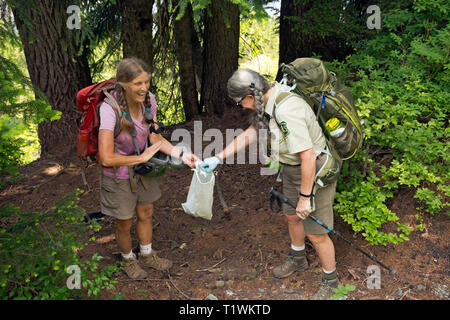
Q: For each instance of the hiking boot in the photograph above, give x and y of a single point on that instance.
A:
(133, 270)
(293, 263)
(151, 260)
(326, 289)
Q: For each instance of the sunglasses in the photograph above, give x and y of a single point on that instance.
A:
(238, 104)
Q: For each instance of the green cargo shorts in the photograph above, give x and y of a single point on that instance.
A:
(117, 199)
(324, 199)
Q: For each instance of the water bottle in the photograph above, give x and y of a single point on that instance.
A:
(335, 127)
(338, 134)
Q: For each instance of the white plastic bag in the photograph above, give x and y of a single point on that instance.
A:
(200, 196)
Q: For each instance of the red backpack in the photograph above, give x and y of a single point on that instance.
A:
(89, 100)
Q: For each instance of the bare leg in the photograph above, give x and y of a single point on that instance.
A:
(144, 226)
(325, 249)
(296, 231)
(123, 236)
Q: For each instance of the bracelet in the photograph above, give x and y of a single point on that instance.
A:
(306, 195)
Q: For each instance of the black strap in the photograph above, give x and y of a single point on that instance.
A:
(160, 129)
(306, 195)
(267, 116)
(271, 202)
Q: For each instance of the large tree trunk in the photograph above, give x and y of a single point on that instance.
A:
(329, 28)
(55, 71)
(137, 26)
(221, 53)
(184, 33)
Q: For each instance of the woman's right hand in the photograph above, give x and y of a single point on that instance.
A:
(150, 151)
(209, 164)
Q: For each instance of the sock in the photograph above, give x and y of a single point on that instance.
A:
(147, 249)
(128, 256)
(329, 275)
(297, 248)
(298, 251)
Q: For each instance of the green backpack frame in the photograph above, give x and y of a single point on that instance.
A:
(320, 88)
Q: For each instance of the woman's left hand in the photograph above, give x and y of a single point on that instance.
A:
(303, 207)
(190, 159)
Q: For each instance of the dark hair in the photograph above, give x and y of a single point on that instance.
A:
(127, 70)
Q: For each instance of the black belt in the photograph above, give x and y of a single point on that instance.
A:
(290, 165)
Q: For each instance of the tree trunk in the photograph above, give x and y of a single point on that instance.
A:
(56, 71)
(184, 32)
(221, 53)
(328, 38)
(137, 26)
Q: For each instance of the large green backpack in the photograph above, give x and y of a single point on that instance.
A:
(309, 78)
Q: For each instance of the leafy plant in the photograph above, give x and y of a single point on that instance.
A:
(400, 80)
(37, 249)
(341, 291)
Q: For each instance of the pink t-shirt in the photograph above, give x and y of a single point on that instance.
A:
(124, 142)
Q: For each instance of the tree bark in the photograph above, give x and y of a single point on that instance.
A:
(184, 34)
(221, 53)
(340, 26)
(54, 69)
(137, 26)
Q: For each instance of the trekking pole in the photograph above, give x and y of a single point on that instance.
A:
(283, 198)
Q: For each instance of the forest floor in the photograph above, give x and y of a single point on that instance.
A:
(232, 255)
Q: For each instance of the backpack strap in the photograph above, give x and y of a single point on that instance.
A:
(283, 96)
(112, 101)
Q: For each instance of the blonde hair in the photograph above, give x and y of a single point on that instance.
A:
(127, 70)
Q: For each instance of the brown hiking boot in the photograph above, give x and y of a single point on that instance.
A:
(326, 289)
(153, 261)
(133, 270)
(292, 264)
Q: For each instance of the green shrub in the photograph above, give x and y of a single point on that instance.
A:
(10, 144)
(341, 291)
(400, 80)
(22, 106)
(37, 248)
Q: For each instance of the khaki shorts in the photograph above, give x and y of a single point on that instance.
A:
(324, 198)
(117, 199)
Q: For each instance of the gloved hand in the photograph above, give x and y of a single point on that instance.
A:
(273, 164)
(209, 164)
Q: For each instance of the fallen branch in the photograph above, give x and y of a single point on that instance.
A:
(185, 295)
(146, 279)
(212, 267)
(83, 176)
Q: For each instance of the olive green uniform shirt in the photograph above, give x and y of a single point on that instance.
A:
(301, 131)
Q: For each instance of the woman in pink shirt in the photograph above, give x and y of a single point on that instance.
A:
(124, 194)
